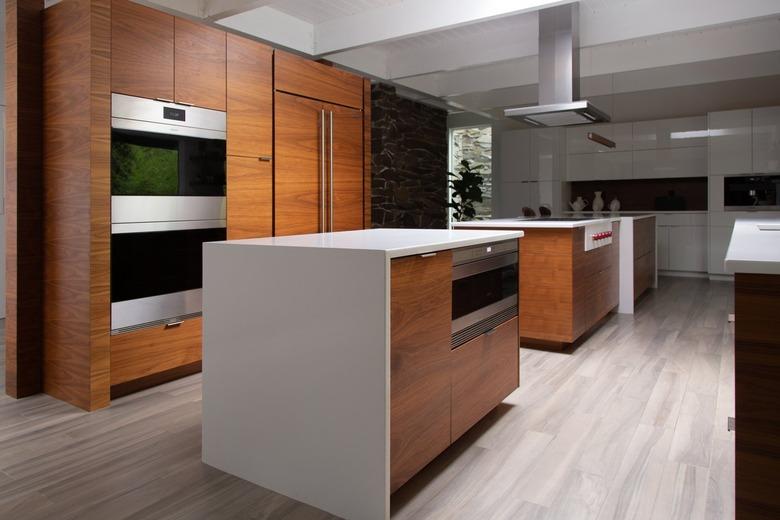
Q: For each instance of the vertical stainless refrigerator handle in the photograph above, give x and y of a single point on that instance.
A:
(330, 152)
(322, 170)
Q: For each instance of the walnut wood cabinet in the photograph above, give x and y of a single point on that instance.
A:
(420, 332)
(156, 55)
(319, 168)
(249, 195)
(484, 371)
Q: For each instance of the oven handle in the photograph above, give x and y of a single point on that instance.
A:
(482, 266)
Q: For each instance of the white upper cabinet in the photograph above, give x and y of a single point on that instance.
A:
(670, 162)
(515, 155)
(730, 142)
(766, 140)
(599, 166)
(546, 154)
(681, 132)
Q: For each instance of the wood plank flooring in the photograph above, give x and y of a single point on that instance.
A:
(631, 425)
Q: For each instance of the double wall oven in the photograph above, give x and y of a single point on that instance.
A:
(484, 289)
(167, 199)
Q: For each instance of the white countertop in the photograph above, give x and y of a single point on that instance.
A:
(522, 222)
(752, 250)
(394, 242)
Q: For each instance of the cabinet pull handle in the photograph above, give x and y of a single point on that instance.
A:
(173, 324)
(322, 171)
(164, 100)
(490, 332)
(264, 158)
(427, 255)
(185, 103)
(330, 153)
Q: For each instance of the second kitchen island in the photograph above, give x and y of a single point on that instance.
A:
(569, 275)
(329, 373)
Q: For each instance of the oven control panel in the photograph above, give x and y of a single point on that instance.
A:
(598, 235)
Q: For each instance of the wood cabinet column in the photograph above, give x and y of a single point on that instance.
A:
(23, 186)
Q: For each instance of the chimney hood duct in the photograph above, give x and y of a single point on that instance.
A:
(559, 74)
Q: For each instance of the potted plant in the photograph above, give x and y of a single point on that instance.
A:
(466, 186)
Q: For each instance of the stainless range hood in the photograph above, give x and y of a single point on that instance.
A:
(559, 74)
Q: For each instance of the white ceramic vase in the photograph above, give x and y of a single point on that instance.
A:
(598, 202)
(614, 206)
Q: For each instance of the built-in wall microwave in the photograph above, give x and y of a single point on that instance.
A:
(167, 199)
(751, 192)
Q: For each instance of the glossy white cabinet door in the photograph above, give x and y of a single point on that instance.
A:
(599, 166)
(513, 196)
(670, 162)
(681, 132)
(546, 149)
(766, 140)
(662, 246)
(730, 142)
(688, 248)
(720, 236)
(515, 156)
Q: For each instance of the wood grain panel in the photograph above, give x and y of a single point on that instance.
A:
(200, 65)
(596, 277)
(644, 236)
(249, 97)
(153, 350)
(76, 194)
(484, 371)
(367, 154)
(141, 51)
(546, 285)
(298, 152)
(346, 145)
(308, 78)
(757, 386)
(420, 318)
(644, 273)
(249, 198)
(23, 197)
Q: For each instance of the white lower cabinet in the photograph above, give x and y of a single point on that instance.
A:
(720, 236)
(688, 248)
(662, 247)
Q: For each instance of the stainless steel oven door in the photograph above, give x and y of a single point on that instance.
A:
(157, 271)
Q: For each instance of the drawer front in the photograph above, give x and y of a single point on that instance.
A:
(484, 371)
(153, 350)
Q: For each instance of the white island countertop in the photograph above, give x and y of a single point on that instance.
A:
(394, 242)
(754, 246)
(535, 222)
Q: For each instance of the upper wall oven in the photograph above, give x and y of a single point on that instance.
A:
(167, 199)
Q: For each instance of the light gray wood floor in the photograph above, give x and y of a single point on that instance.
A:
(631, 425)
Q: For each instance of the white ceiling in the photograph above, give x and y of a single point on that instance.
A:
(480, 56)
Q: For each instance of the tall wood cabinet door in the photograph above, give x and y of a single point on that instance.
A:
(345, 168)
(141, 51)
(420, 333)
(249, 97)
(299, 173)
(200, 65)
(249, 198)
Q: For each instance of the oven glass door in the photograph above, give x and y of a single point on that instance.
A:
(482, 289)
(146, 163)
(157, 275)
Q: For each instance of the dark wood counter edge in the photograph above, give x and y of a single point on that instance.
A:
(24, 197)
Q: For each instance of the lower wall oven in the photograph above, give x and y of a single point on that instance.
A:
(156, 270)
(484, 289)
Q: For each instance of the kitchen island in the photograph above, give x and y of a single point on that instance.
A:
(328, 369)
(569, 275)
(754, 258)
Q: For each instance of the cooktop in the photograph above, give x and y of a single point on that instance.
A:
(559, 219)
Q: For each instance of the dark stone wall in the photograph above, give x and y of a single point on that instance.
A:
(408, 162)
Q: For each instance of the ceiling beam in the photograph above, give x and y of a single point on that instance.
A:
(275, 27)
(413, 17)
(214, 10)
